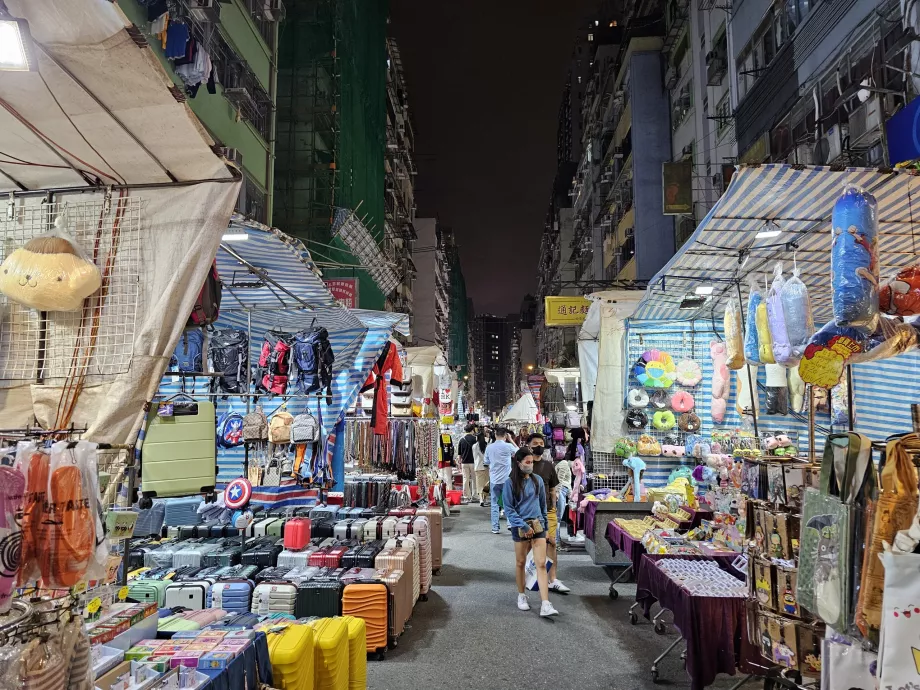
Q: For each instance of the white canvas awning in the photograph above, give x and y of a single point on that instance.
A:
(523, 410)
(625, 302)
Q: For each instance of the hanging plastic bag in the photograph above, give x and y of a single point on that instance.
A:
(35, 466)
(797, 314)
(893, 336)
(782, 348)
(734, 343)
(854, 260)
(12, 489)
(764, 338)
(828, 351)
(897, 656)
(87, 455)
(751, 343)
(777, 396)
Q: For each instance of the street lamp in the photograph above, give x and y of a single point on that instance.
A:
(16, 50)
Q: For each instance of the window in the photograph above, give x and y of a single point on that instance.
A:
(590, 37)
(723, 113)
(681, 50)
(681, 106)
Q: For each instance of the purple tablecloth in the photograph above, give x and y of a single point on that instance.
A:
(620, 540)
(713, 627)
(590, 511)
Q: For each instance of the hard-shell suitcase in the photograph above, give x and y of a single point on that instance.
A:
(372, 529)
(276, 529)
(333, 558)
(408, 545)
(240, 572)
(328, 574)
(341, 529)
(263, 554)
(388, 528)
(400, 585)
(291, 651)
(178, 456)
(240, 621)
(297, 534)
(370, 601)
(357, 656)
(322, 529)
(367, 557)
(226, 555)
(274, 597)
(295, 559)
(418, 528)
(318, 557)
(436, 530)
(205, 617)
(168, 625)
(324, 512)
(149, 591)
(402, 512)
(193, 554)
(273, 573)
(233, 596)
(189, 595)
(356, 529)
(331, 653)
(318, 598)
(368, 513)
(182, 511)
(356, 574)
(259, 528)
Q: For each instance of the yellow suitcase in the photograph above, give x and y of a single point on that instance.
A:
(330, 645)
(290, 650)
(357, 653)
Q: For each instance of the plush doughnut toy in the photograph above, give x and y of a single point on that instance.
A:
(682, 401)
(637, 398)
(625, 447)
(659, 399)
(672, 439)
(672, 451)
(636, 419)
(688, 422)
(689, 373)
(647, 445)
(663, 420)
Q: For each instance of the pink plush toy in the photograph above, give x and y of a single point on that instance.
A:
(721, 382)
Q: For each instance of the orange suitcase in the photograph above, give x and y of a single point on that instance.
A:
(370, 601)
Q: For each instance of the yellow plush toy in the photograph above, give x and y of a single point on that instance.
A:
(49, 274)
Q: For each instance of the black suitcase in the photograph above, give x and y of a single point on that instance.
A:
(228, 555)
(263, 554)
(188, 532)
(274, 573)
(322, 529)
(318, 598)
(368, 554)
(351, 557)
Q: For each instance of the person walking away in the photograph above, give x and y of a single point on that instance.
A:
(498, 460)
(481, 471)
(525, 505)
(543, 467)
(467, 461)
(564, 474)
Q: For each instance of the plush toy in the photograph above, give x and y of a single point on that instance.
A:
(647, 445)
(721, 384)
(901, 294)
(670, 451)
(663, 420)
(796, 390)
(734, 339)
(49, 273)
(682, 401)
(764, 337)
(782, 348)
(637, 465)
(688, 373)
(751, 344)
(746, 400)
(854, 260)
(637, 398)
(777, 395)
(797, 313)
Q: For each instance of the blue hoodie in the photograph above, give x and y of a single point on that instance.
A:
(529, 506)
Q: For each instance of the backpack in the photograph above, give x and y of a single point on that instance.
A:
(230, 430)
(558, 419)
(305, 429)
(547, 429)
(558, 434)
(187, 357)
(274, 363)
(255, 425)
(573, 419)
(229, 355)
(207, 306)
(279, 429)
(313, 358)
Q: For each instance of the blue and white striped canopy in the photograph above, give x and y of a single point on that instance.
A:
(798, 202)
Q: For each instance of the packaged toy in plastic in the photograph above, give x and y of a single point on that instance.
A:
(854, 260)
(797, 313)
(782, 348)
(49, 273)
(751, 344)
(764, 337)
(734, 345)
(777, 394)
(893, 336)
(901, 294)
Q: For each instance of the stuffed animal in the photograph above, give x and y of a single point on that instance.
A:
(796, 390)
(637, 465)
(721, 383)
(854, 260)
(734, 340)
(746, 400)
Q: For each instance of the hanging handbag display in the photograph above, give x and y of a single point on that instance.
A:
(830, 534)
(272, 474)
(894, 511)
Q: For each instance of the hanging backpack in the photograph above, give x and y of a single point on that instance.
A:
(305, 429)
(207, 306)
(230, 430)
(255, 425)
(228, 351)
(274, 363)
(187, 357)
(547, 429)
(313, 358)
(279, 429)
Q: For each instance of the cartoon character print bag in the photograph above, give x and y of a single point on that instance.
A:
(899, 647)
(829, 527)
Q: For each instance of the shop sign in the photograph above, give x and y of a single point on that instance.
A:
(344, 290)
(677, 186)
(903, 133)
(566, 311)
(758, 152)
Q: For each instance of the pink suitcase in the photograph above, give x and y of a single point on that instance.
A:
(205, 616)
(435, 527)
(418, 527)
(409, 547)
(297, 534)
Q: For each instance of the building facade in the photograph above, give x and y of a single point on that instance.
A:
(432, 255)
(492, 362)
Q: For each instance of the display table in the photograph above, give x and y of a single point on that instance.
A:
(620, 540)
(246, 671)
(713, 627)
(696, 517)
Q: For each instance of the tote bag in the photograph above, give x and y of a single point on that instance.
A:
(899, 648)
(829, 527)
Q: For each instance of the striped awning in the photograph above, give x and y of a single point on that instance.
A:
(384, 320)
(797, 201)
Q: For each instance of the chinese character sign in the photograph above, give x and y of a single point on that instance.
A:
(344, 290)
(566, 311)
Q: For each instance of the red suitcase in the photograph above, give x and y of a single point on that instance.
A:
(318, 558)
(333, 557)
(297, 534)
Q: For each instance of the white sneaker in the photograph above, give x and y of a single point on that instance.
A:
(501, 513)
(557, 586)
(524, 605)
(546, 609)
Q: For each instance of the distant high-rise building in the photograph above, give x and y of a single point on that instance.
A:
(493, 352)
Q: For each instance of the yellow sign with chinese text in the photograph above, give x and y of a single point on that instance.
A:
(566, 311)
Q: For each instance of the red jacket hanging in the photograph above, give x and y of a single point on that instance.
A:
(388, 361)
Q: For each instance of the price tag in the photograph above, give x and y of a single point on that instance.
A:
(78, 588)
(93, 606)
(165, 410)
(119, 524)
(122, 594)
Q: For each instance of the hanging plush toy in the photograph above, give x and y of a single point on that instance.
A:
(764, 338)
(746, 400)
(796, 390)
(49, 273)
(734, 342)
(751, 344)
(797, 313)
(854, 260)
(777, 391)
(782, 348)
(901, 294)
(721, 383)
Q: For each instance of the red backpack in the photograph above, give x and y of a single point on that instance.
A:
(207, 306)
(275, 363)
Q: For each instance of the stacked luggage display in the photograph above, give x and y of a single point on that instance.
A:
(291, 651)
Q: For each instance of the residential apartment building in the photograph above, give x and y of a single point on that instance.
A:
(240, 37)
(492, 361)
(431, 300)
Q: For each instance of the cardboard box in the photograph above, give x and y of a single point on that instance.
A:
(186, 658)
(216, 660)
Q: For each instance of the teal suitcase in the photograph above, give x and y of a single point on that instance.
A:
(178, 456)
(149, 591)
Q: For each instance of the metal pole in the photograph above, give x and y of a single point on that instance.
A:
(248, 388)
(811, 423)
(751, 383)
(851, 413)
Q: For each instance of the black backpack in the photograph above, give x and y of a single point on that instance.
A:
(313, 358)
(229, 355)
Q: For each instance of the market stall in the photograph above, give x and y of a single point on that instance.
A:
(694, 403)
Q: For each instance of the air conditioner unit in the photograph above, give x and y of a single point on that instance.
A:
(272, 10)
(864, 122)
(232, 155)
(670, 77)
(717, 181)
(204, 10)
(829, 147)
(716, 67)
(238, 95)
(803, 154)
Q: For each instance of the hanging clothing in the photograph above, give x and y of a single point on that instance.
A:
(177, 36)
(387, 362)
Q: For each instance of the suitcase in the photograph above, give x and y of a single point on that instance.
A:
(298, 575)
(355, 574)
(276, 529)
(388, 527)
(436, 530)
(192, 554)
(178, 456)
(240, 621)
(226, 555)
(356, 529)
(402, 512)
(274, 573)
(318, 557)
(318, 598)
(367, 557)
(263, 554)
(368, 513)
(372, 529)
(400, 586)
(189, 595)
(330, 653)
(297, 534)
(240, 572)
(409, 546)
(149, 591)
(370, 601)
(333, 557)
(235, 596)
(357, 654)
(340, 531)
(418, 527)
(205, 617)
(182, 511)
(269, 598)
(259, 528)
(322, 529)
(324, 512)
(175, 623)
(291, 652)
(295, 559)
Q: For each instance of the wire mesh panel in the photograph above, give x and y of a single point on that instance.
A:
(609, 472)
(98, 340)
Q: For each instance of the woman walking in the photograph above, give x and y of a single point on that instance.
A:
(525, 507)
(482, 472)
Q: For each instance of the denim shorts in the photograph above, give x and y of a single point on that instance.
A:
(516, 534)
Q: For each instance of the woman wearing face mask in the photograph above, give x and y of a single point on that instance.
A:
(525, 507)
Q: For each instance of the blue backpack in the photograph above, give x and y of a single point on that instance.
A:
(187, 358)
(313, 359)
(230, 430)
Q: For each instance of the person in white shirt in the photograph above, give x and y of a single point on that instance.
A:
(479, 468)
(498, 460)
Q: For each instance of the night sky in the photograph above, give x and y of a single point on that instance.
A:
(485, 81)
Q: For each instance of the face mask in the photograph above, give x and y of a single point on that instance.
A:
(538, 450)
(526, 469)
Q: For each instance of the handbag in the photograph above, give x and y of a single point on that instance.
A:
(272, 474)
(829, 527)
(255, 425)
(898, 654)
(894, 511)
